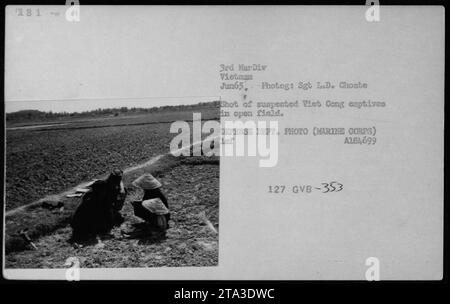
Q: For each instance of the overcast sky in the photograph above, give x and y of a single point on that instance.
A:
(127, 56)
(160, 55)
(151, 56)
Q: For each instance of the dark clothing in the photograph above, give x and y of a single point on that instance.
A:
(99, 209)
(157, 193)
(95, 213)
(118, 203)
(152, 219)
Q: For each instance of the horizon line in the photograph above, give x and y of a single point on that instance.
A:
(106, 108)
(110, 98)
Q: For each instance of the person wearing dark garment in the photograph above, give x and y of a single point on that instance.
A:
(100, 207)
(148, 209)
(118, 203)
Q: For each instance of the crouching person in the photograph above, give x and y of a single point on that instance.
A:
(154, 208)
(100, 208)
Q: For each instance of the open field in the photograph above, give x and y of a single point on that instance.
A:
(192, 188)
(40, 162)
(43, 162)
(208, 112)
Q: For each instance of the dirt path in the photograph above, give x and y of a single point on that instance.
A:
(127, 171)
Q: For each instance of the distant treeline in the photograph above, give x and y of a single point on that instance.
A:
(35, 115)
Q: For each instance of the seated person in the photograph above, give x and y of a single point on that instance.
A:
(154, 207)
(100, 208)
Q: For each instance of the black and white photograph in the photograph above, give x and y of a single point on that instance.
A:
(224, 142)
(90, 175)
